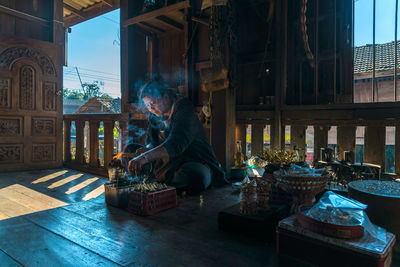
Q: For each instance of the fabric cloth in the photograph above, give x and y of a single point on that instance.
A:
(183, 136)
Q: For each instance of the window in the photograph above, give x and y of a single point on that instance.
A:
(375, 50)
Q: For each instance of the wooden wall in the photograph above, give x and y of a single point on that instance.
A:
(15, 19)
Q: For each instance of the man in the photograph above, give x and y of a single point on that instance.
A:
(176, 143)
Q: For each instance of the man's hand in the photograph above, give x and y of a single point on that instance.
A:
(136, 165)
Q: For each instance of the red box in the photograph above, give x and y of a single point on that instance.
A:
(299, 242)
(152, 202)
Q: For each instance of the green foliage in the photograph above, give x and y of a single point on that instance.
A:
(88, 91)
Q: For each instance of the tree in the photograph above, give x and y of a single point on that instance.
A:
(89, 90)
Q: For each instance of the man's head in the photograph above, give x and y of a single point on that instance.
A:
(156, 97)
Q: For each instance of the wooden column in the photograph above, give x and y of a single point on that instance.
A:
(123, 125)
(67, 140)
(108, 141)
(58, 28)
(298, 139)
(320, 139)
(188, 56)
(346, 140)
(397, 150)
(94, 143)
(241, 132)
(374, 145)
(79, 156)
(257, 139)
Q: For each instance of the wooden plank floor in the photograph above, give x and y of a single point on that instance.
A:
(58, 217)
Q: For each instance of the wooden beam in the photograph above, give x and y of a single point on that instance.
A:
(156, 13)
(74, 10)
(22, 15)
(107, 3)
(151, 27)
(202, 21)
(90, 12)
(170, 22)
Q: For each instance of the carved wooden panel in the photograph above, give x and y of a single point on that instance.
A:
(43, 126)
(27, 88)
(49, 96)
(11, 126)
(10, 55)
(11, 153)
(43, 152)
(5, 93)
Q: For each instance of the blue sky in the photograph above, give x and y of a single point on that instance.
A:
(93, 48)
(385, 22)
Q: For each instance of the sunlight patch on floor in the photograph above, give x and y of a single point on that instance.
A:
(95, 193)
(17, 200)
(81, 185)
(65, 180)
(49, 177)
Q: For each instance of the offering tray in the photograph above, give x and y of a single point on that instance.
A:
(325, 228)
(302, 188)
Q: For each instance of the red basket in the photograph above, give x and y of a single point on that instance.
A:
(152, 202)
(339, 231)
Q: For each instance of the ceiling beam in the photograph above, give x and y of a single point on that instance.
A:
(91, 12)
(158, 12)
(107, 3)
(151, 27)
(170, 22)
(74, 10)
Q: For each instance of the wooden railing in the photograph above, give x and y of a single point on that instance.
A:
(374, 116)
(79, 162)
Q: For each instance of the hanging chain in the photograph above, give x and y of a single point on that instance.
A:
(303, 22)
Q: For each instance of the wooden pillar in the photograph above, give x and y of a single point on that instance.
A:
(79, 154)
(67, 140)
(346, 140)
(298, 139)
(188, 56)
(123, 125)
(257, 139)
(94, 143)
(108, 141)
(320, 139)
(241, 132)
(58, 28)
(374, 145)
(397, 150)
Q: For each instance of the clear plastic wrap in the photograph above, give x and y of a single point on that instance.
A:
(336, 209)
(248, 197)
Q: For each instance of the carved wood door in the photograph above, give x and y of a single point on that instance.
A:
(30, 104)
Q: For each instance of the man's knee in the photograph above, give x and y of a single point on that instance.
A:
(193, 176)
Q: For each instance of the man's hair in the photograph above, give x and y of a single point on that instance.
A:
(156, 90)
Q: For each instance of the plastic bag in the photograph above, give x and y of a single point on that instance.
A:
(336, 209)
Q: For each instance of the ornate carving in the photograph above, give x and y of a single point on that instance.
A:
(49, 96)
(12, 54)
(43, 152)
(5, 93)
(44, 126)
(11, 153)
(10, 126)
(27, 88)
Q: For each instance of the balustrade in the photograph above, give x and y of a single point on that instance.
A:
(79, 162)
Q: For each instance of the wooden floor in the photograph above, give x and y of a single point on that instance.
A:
(59, 218)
